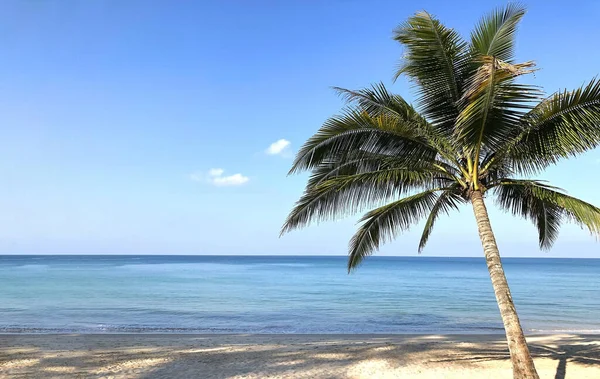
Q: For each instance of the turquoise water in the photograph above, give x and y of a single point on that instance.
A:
(283, 294)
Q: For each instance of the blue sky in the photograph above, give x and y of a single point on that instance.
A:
(114, 113)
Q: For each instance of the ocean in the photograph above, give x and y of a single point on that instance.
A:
(290, 294)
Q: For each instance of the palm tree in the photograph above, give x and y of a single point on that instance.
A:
(476, 131)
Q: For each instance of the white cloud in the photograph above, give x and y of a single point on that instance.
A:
(231, 180)
(278, 147)
(215, 177)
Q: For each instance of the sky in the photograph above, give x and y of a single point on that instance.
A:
(161, 127)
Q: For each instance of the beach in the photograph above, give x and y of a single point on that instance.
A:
(289, 356)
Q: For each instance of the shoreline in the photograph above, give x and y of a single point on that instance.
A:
(290, 355)
(284, 335)
(130, 333)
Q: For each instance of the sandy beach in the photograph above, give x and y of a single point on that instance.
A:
(289, 356)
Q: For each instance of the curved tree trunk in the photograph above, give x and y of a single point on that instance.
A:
(522, 363)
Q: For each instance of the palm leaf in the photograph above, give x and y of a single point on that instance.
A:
(493, 105)
(344, 195)
(447, 201)
(382, 224)
(495, 34)
(358, 131)
(564, 125)
(546, 206)
(377, 100)
(435, 58)
(362, 162)
(519, 199)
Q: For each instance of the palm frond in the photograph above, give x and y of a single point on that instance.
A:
(435, 58)
(495, 34)
(546, 207)
(564, 125)
(492, 71)
(344, 195)
(493, 104)
(382, 224)
(446, 202)
(356, 131)
(353, 163)
(377, 100)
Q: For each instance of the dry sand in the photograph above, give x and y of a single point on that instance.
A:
(289, 356)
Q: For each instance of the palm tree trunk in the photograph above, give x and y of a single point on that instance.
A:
(522, 363)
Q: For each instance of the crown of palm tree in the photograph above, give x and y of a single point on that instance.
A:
(474, 128)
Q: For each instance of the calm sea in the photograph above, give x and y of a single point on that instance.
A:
(283, 294)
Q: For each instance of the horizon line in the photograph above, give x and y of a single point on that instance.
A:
(277, 255)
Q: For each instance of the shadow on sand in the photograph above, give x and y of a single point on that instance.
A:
(169, 356)
(580, 349)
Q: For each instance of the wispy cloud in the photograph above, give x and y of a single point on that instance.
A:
(216, 178)
(231, 180)
(279, 147)
(216, 172)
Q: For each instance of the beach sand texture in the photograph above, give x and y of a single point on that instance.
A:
(289, 356)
